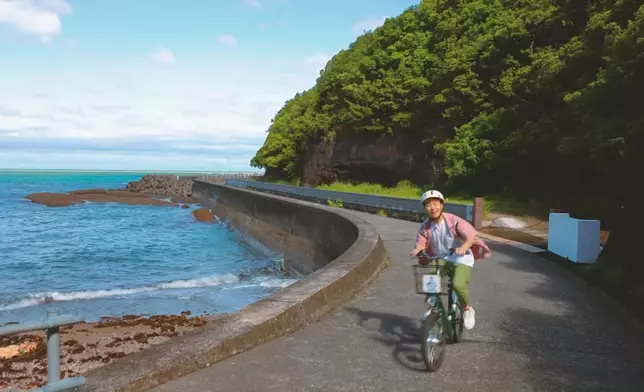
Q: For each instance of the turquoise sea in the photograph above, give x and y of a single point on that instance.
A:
(108, 259)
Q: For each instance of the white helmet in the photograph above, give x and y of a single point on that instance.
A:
(431, 194)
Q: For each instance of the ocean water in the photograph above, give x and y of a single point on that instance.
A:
(108, 259)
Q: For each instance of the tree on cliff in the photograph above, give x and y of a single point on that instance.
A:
(288, 134)
(535, 97)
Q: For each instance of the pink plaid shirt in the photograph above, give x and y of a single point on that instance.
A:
(458, 227)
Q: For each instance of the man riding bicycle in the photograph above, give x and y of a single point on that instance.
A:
(442, 232)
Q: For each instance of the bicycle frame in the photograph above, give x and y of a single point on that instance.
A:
(435, 300)
(428, 281)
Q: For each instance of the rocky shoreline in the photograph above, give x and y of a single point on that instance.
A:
(86, 346)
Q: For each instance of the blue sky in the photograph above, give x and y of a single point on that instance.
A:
(160, 84)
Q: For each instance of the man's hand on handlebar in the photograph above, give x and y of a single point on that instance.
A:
(424, 258)
(461, 250)
(421, 255)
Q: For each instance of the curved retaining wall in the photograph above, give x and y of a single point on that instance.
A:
(345, 251)
(309, 236)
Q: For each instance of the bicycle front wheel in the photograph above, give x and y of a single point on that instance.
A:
(434, 342)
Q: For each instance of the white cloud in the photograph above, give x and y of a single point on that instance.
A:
(228, 39)
(164, 56)
(368, 24)
(40, 18)
(154, 118)
(92, 160)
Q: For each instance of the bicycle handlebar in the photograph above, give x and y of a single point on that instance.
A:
(432, 258)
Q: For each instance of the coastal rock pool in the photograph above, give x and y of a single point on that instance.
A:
(108, 259)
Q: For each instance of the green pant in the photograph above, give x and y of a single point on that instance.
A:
(462, 275)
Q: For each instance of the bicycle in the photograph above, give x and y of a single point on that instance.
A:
(447, 321)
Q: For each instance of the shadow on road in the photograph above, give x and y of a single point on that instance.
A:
(400, 332)
(561, 332)
(575, 337)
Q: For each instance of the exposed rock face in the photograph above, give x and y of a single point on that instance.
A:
(162, 185)
(366, 157)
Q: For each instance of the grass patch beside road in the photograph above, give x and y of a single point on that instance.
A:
(492, 203)
(499, 203)
(404, 189)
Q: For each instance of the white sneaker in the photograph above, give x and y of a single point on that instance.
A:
(468, 318)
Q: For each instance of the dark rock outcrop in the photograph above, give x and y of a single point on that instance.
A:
(162, 185)
(370, 157)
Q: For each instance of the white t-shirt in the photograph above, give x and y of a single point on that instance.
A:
(441, 240)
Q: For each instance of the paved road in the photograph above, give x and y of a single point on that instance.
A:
(538, 328)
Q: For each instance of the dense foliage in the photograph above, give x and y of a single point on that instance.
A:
(535, 97)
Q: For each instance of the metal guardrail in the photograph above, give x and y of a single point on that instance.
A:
(51, 324)
(399, 204)
(213, 173)
(227, 176)
(209, 176)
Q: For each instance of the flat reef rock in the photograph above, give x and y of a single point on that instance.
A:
(153, 190)
(99, 195)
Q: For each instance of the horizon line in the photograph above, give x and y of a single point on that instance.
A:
(130, 170)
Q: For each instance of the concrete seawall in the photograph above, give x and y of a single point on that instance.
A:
(344, 251)
(309, 236)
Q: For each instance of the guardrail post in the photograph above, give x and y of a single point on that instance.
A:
(477, 213)
(53, 351)
(51, 324)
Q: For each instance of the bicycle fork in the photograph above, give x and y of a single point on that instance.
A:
(445, 314)
(432, 301)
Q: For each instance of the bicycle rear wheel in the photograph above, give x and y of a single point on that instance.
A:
(457, 323)
(434, 341)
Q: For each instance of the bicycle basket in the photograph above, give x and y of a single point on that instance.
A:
(428, 279)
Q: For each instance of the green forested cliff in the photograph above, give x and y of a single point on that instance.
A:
(535, 97)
